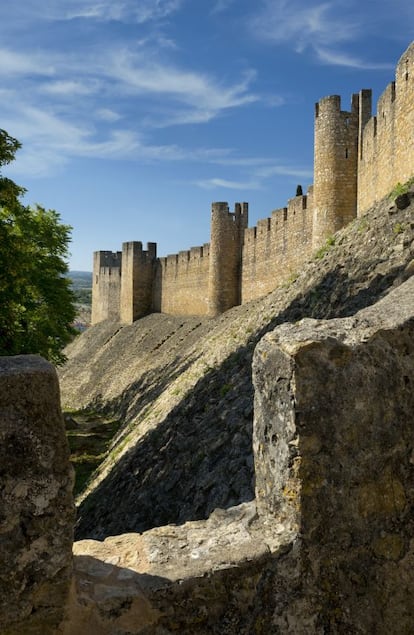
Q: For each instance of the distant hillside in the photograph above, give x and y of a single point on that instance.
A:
(82, 287)
(81, 280)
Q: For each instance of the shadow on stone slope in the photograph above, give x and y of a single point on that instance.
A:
(200, 456)
(197, 459)
(143, 391)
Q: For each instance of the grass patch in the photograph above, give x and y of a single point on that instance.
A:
(363, 225)
(398, 228)
(89, 442)
(329, 243)
(401, 188)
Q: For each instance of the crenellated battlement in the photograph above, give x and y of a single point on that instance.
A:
(108, 259)
(386, 140)
(275, 247)
(328, 105)
(358, 158)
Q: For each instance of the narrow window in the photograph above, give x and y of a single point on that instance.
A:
(346, 153)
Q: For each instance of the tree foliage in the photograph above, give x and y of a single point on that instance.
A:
(36, 301)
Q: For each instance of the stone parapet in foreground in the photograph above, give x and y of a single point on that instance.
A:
(333, 446)
(327, 547)
(186, 579)
(36, 505)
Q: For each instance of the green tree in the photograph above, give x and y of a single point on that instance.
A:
(36, 300)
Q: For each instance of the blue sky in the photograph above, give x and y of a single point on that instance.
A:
(135, 115)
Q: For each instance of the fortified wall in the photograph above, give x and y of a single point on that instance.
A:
(358, 159)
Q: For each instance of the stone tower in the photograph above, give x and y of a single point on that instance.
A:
(136, 280)
(404, 115)
(227, 231)
(106, 285)
(335, 167)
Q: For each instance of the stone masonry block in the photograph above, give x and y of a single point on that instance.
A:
(36, 505)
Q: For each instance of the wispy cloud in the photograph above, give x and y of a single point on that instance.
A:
(221, 5)
(70, 88)
(258, 170)
(15, 63)
(215, 183)
(137, 74)
(304, 25)
(336, 58)
(110, 100)
(67, 90)
(100, 10)
(107, 114)
(322, 27)
(283, 170)
(49, 142)
(121, 11)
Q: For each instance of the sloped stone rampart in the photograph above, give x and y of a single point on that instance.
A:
(36, 505)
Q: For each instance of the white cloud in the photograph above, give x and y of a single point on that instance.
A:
(224, 184)
(61, 114)
(107, 114)
(189, 96)
(142, 75)
(303, 25)
(283, 170)
(318, 26)
(121, 10)
(70, 88)
(14, 63)
(138, 11)
(342, 59)
(67, 105)
(50, 141)
(260, 170)
(221, 5)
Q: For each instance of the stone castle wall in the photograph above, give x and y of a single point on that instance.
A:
(181, 282)
(358, 160)
(273, 250)
(386, 153)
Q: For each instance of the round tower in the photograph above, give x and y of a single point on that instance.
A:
(225, 254)
(335, 167)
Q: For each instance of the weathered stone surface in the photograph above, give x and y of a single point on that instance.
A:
(196, 578)
(333, 445)
(36, 506)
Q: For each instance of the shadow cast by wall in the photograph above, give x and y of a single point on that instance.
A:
(200, 457)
